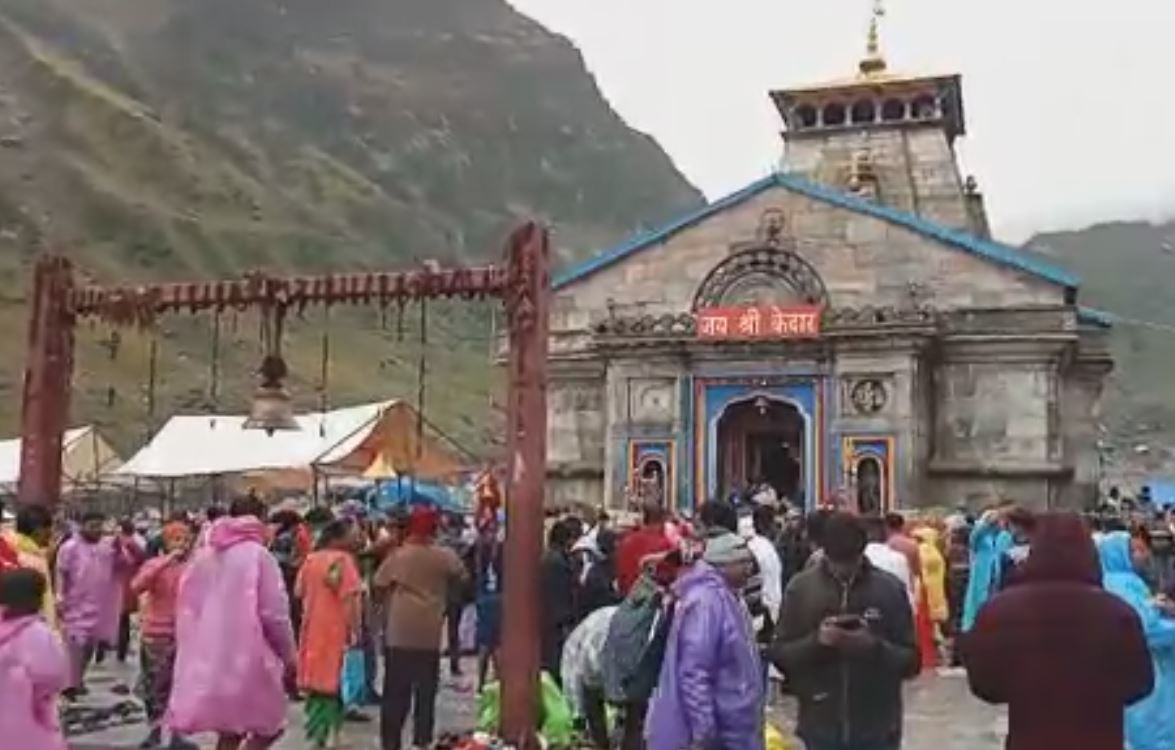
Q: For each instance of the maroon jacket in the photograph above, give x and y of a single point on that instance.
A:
(1065, 655)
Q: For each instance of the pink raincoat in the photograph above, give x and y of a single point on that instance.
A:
(233, 637)
(89, 584)
(33, 670)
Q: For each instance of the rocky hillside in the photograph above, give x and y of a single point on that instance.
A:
(1127, 270)
(180, 138)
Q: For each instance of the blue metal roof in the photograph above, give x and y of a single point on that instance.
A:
(992, 251)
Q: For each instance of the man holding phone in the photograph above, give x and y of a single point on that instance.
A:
(846, 643)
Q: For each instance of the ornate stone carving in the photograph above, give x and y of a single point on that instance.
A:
(862, 179)
(765, 273)
(771, 226)
(868, 396)
(651, 399)
(652, 326)
(870, 317)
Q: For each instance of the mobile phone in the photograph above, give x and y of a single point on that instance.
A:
(849, 622)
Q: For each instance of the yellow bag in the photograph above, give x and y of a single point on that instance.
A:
(774, 739)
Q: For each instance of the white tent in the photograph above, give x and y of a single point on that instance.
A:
(85, 458)
(206, 445)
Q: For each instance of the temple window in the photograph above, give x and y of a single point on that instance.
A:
(806, 116)
(834, 114)
(893, 110)
(864, 111)
(924, 108)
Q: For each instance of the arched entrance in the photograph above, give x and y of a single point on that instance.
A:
(762, 439)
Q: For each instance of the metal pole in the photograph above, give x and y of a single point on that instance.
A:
(421, 380)
(152, 378)
(527, 307)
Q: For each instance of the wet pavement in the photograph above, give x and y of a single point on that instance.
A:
(940, 715)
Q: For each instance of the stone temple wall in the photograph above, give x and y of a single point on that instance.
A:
(993, 413)
(999, 403)
(992, 422)
(862, 260)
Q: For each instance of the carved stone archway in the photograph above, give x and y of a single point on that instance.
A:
(768, 273)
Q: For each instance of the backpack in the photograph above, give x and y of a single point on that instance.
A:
(635, 646)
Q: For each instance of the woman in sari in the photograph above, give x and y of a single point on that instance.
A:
(330, 588)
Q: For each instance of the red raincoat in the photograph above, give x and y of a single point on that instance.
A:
(1065, 656)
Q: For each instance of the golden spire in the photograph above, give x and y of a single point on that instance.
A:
(873, 61)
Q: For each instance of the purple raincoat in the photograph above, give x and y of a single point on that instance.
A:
(33, 671)
(233, 637)
(710, 692)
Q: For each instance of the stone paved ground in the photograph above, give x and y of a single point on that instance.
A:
(941, 715)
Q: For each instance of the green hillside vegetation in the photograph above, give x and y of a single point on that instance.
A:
(1126, 270)
(171, 139)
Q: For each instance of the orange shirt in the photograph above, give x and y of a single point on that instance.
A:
(329, 586)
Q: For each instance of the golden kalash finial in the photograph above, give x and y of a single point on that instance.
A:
(873, 61)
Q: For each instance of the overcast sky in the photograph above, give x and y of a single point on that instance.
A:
(1070, 104)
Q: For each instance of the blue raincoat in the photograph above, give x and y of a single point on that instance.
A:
(989, 544)
(1150, 723)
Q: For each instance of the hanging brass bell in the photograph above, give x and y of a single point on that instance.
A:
(272, 409)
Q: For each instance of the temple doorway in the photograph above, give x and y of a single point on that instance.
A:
(761, 440)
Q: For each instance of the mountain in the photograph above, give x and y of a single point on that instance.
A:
(172, 139)
(1127, 270)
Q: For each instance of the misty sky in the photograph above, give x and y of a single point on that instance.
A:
(1070, 104)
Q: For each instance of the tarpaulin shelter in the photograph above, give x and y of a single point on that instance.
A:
(411, 492)
(1162, 492)
(343, 442)
(394, 447)
(216, 444)
(87, 459)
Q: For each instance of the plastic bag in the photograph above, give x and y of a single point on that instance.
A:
(353, 680)
(774, 739)
(489, 707)
(467, 630)
(556, 725)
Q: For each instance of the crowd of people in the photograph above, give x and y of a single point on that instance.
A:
(677, 627)
(238, 613)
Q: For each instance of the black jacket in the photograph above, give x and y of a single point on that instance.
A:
(599, 589)
(559, 591)
(847, 699)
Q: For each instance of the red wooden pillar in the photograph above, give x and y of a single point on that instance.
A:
(48, 371)
(528, 299)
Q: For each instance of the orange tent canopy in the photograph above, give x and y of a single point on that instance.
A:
(391, 448)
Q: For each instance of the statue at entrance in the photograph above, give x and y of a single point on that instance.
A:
(869, 487)
(651, 484)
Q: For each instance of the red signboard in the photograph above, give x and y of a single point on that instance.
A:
(759, 322)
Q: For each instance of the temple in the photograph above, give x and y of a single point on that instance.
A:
(845, 325)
